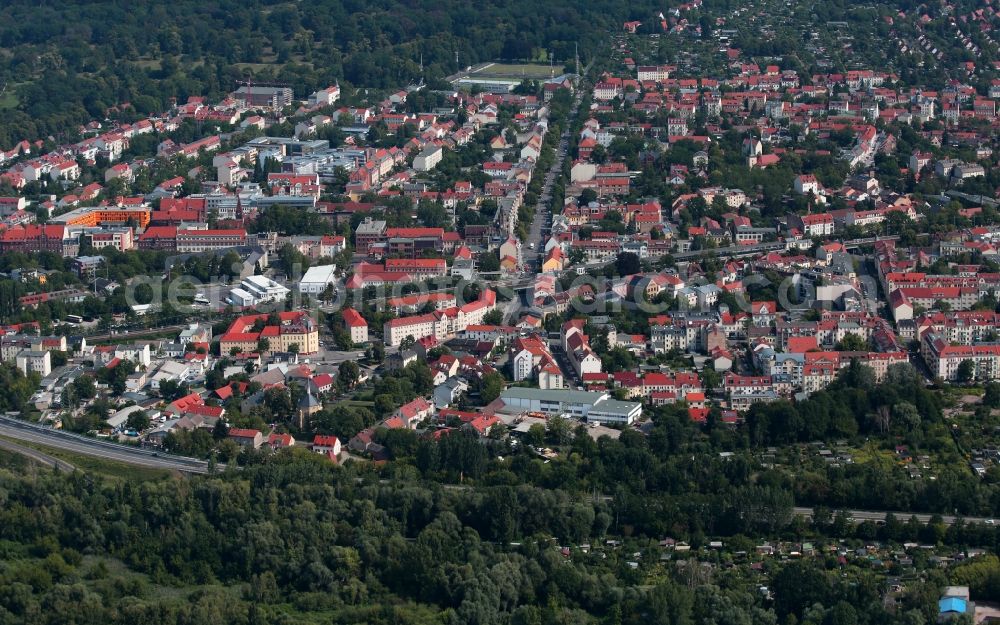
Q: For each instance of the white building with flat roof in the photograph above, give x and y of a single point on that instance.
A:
(169, 371)
(241, 298)
(584, 405)
(34, 361)
(136, 352)
(317, 279)
(428, 159)
(255, 290)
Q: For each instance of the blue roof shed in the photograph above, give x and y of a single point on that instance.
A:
(952, 604)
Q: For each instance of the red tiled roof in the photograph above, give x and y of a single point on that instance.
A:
(206, 411)
(801, 344)
(323, 379)
(483, 423)
(445, 413)
(409, 233)
(411, 409)
(231, 232)
(243, 433)
(225, 392)
(407, 263)
(159, 232)
(353, 318)
(33, 232)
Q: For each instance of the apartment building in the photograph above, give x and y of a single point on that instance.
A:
(945, 359)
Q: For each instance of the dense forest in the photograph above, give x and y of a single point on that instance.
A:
(68, 62)
(65, 63)
(296, 540)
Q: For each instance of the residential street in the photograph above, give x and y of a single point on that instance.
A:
(540, 225)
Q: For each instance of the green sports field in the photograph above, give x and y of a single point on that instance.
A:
(526, 70)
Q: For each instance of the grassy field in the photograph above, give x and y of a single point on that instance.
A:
(8, 100)
(151, 64)
(110, 469)
(356, 402)
(518, 70)
(270, 64)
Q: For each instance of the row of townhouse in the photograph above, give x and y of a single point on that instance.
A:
(530, 359)
(904, 301)
(959, 327)
(655, 387)
(396, 271)
(439, 324)
(695, 331)
(576, 345)
(815, 370)
(743, 391)
(833, 327)
(192, 240)
(295, 328)
(945, 360)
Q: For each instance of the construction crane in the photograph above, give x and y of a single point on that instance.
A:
(248, 83)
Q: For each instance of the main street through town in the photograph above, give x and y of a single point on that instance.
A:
(543, 209)
(534, 245)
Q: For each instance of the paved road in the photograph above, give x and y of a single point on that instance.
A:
(748, 250)
(75, 443)
(37, 456)
(330, 355)
(126, 335)
(979, 199)
(860, 516)
(543, 209)
(562, 361)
